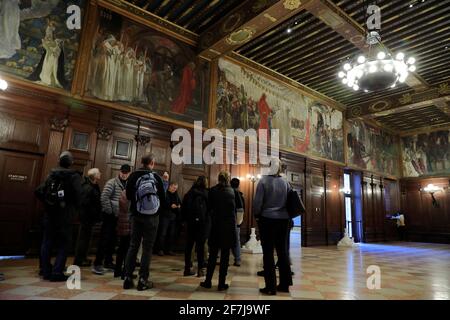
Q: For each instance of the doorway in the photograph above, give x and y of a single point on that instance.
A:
(19, 174)
(357, 224)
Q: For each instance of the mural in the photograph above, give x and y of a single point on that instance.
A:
(35, 42)
(249, 100)
(371, 148)
(426, 154)
(138, 66)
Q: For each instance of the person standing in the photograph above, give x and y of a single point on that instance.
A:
(90, 213)
(269, 209)
(61, 195)
(168, 220)
(401, 226)
(194, 211)
(145, 190)
(240, 209)
(123, 231)
(222, 208)
(110, 205)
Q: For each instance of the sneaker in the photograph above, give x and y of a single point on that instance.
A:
(128, 283)
(206, 284)
(98, 270)
(188, 273)
(58, 278)
(237, 264)
(144, 285)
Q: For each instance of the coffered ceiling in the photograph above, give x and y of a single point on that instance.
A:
(310, 44)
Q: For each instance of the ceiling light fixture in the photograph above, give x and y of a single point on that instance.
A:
(378, 70)
(3, 84)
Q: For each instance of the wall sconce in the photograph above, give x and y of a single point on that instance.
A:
(253, 178)
(346, 191)
(431, 189)
(3, 84)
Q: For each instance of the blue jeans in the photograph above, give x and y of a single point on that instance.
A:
(237, 249)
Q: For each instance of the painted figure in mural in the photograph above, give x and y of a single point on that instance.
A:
(187, 87)
(50, 70)
(264, 112)
(12, 12)
(9, 28)
(161, 88)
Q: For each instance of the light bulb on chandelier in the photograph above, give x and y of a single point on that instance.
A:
(378, 70)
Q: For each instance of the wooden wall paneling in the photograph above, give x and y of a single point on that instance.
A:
(334, 203)
(316, 233)
(391, 196)
(295, 174)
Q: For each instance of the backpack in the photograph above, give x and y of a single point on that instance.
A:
(199, 207)
(147, 200)
(294, 204)
(54, 193)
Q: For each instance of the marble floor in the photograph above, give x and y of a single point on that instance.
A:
(408, 271)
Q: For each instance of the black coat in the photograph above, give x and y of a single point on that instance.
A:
(222, 210)
(191, 200)
(91, 207)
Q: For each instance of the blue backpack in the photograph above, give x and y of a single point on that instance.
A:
(147, 200)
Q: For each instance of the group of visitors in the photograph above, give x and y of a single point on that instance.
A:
(143, 211)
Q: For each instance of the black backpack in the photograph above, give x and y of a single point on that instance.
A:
(198, 207)
(54, 193)
(294, 204)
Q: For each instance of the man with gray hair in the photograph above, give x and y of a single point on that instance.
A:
(269, 209)
(89, 215)
(110, 207)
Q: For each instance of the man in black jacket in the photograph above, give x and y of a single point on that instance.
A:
(61, 195)
(143, 226)
(89, 215)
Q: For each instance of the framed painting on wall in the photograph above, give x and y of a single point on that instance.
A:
(35, 42)
(140, 67)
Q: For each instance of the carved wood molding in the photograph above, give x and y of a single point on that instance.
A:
(142, 140)
(103, 133)
(59, 124)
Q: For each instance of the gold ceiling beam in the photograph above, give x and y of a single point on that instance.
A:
(244, 23)
(342, 23)
(438, 95)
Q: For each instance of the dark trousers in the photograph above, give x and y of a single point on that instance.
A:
(402, 233)
(196, 234)
(122, 250)
(83, 242)
(143, 229)
(167, 227)
(56, 236)
(107, 242)
(224, 261)
(273, 233)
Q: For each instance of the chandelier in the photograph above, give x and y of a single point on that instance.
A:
(378, 70)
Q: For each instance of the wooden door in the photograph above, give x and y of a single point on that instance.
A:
(19, 173)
